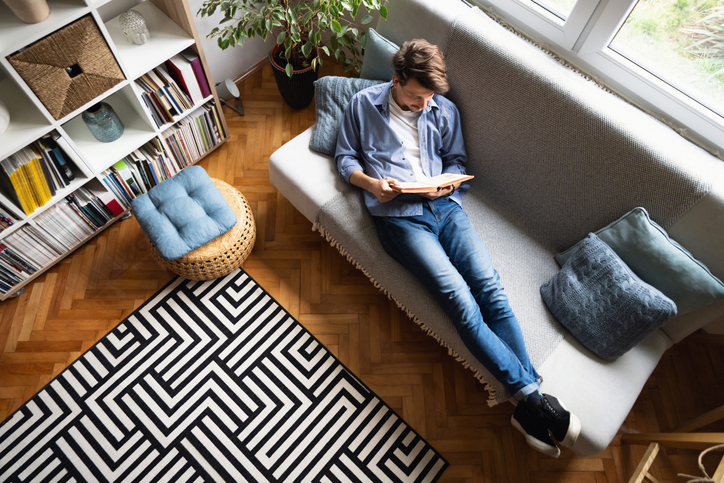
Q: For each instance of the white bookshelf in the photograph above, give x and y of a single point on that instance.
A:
(171, 24)
(167, 40)
(15, 34)
(27, 123)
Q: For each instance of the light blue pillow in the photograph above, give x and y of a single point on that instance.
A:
(183, 213)
(658, 260)
(331, 97)
(377, 62)
(602, 302)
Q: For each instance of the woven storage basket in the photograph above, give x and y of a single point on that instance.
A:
(223, 254)
(69, 67)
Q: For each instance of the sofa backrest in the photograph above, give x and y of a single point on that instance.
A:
(566, 156)
(562, 155)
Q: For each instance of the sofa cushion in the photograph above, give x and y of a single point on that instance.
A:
(331, 97)
(658, 260)
(183, 213)
(377, 62)
(602, 302)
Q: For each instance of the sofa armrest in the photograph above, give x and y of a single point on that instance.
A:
(306, 178)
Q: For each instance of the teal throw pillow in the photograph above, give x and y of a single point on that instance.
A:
(377, 62)
(658, 260)
(602, 302)
(331, 97)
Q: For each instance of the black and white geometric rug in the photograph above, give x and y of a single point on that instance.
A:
(211, 381)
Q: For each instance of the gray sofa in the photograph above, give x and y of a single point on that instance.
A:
(554, 157)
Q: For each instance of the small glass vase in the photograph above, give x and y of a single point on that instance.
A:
(103, 122)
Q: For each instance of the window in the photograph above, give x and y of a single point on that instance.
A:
(667, 56)
(681, 42)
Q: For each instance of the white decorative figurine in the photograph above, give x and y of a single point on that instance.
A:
(134, 27)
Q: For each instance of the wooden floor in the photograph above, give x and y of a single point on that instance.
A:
(81, 299)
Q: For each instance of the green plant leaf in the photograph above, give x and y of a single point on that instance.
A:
(268, 24)
(307, 49)
(289, 69)
(336, 26)
(325, 50)
(282, 35)
(383, 12)
(366, 19)
(334, 43)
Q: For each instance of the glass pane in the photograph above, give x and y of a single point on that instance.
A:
(560, 8)
(680, 41)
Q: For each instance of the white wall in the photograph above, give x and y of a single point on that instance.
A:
(234, 61)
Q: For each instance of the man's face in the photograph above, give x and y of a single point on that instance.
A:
(412, 96)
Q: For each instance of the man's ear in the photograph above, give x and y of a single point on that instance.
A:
(395, 80)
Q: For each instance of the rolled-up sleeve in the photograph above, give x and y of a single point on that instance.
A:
(347, 156)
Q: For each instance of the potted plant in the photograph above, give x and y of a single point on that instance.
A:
(299, 28)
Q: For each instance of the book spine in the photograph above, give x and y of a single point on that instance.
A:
(200, 77)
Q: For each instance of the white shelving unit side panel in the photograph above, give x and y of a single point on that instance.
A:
(167, 39)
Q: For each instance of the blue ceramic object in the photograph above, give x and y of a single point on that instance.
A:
(103, 122)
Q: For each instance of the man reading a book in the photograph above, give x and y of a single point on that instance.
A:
(406, 131)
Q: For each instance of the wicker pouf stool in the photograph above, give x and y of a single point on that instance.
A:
(223, 254)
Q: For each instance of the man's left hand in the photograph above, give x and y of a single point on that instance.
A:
(447, 191)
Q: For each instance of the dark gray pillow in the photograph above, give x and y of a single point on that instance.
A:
(603, 303)
(331, 97)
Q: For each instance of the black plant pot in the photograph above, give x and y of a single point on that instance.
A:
(297, 90)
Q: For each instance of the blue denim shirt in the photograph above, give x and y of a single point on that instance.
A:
(367, 142)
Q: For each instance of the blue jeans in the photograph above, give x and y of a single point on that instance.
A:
(443, 250)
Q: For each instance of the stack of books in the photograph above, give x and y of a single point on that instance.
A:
(32, 176)
(73, 219)
(194, 136)
(7, 218)
(140, 171)
(23, 179)
(14, 268)
(162, 96)
(32, 248)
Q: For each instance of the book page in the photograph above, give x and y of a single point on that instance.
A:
(430, 184)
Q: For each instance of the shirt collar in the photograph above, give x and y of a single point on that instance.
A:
(383, 103)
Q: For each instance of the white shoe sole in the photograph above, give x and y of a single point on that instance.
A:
(534, 443)
(574, 429)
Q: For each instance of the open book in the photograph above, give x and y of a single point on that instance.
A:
(436, 183)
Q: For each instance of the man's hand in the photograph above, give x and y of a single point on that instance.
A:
(431, 195)
(380, 188)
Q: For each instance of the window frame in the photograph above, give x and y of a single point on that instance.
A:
(583, 40)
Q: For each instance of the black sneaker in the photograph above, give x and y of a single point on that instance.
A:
(564, 426)
(535, 432)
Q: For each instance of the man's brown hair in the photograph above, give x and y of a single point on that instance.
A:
(420, 60)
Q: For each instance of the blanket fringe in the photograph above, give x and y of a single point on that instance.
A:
(478, 375)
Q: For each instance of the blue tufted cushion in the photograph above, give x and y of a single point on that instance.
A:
(183, 213)
(602, 302)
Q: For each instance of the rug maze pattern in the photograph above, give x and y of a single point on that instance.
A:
(205, 365)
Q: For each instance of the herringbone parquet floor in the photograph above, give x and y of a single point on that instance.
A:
(64, 312)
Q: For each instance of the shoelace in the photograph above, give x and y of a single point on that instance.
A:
(549, 408)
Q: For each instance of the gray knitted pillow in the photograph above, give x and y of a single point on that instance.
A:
(331, 97)
(603, 303)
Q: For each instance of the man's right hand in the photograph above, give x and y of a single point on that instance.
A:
(380, 188)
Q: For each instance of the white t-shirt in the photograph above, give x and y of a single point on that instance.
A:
(404, 123)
